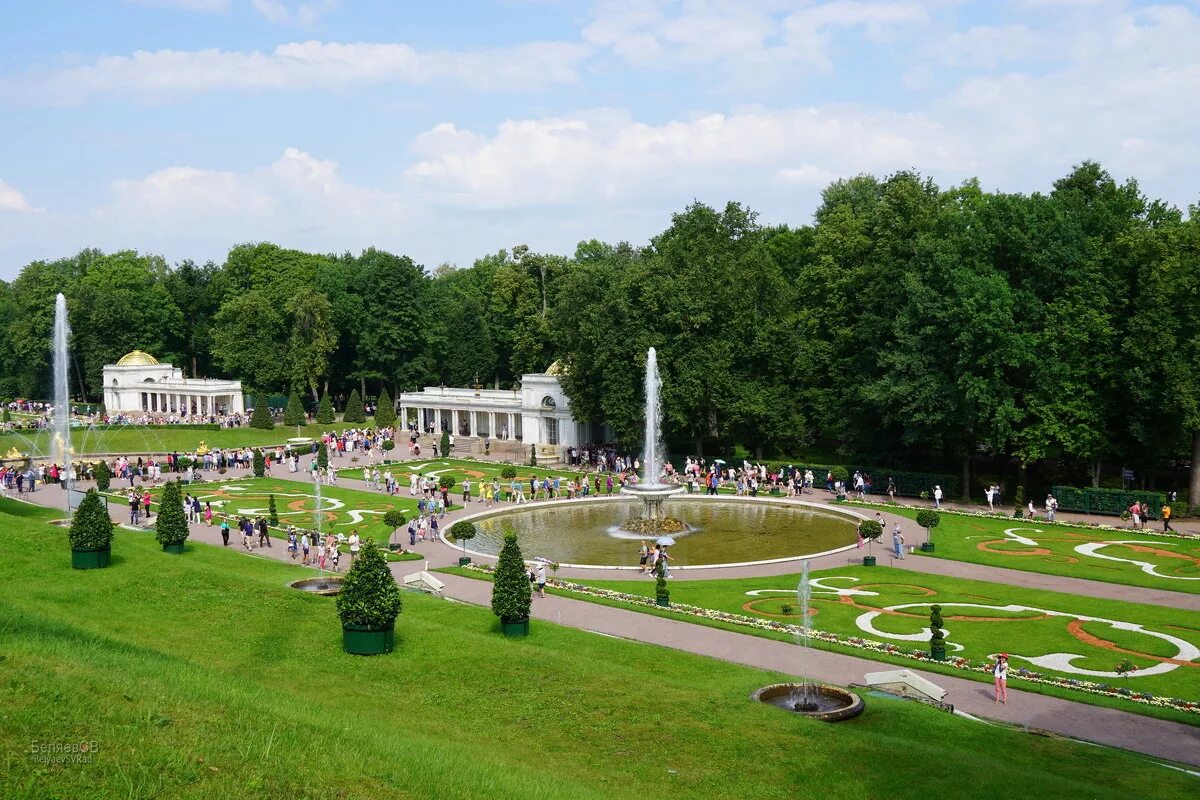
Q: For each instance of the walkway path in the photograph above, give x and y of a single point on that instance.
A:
(1154, 737)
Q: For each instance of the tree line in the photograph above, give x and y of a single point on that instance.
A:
(907, 323)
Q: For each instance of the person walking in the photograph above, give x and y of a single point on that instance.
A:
(146, 503)
(1051, 507)
(1165, 512)
(937, 496)
(224, 533)
(208, 513)
(897, 542)
(354, 541)
(305, 546)
(540, 579)
(1000, 678)
(135, 504)
(643, 555)
(264, 535)
(991, 498)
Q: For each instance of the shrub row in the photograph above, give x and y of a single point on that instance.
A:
(1109, 501)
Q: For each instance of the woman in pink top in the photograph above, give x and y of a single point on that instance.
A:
(1000, 678)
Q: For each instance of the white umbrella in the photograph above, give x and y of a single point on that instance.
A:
(718, 461)
(665, 541)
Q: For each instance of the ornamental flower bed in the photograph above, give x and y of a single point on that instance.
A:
(1039, 522)
(872, 645)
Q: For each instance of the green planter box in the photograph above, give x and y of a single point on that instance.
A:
(868, 561)
(176, 548)
(519, 628)
(362, 640)
(90, 557)
(938, 654)
(464, 560)
(665, 602)
(926, 547)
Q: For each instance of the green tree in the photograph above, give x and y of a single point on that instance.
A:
(511, 595)
(247, 340)
(385, 411)
(325, 414)
(171, 525)
(103, 475)
(322, 455)
(463, 532)
(394, 518)
(444, 447)
(294, 413)
(369, 595)
(260, 466)
(272, 513)
(91, 526)
(261, 418)
(354, 408)
(313, 338)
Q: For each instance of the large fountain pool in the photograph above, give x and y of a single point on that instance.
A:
(720, 532)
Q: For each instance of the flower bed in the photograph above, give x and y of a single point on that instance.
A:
(1039, 522)
(857, 642)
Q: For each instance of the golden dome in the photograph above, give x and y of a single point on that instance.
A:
(137, 359)
(556, 369)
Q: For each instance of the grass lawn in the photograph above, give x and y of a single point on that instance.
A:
(342, 510)
(121, 439)
(459, 468)
(202, 676)
(1175, 561)
(1020, 626)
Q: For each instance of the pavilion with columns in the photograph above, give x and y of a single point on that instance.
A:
(536, 411)
(138, 383)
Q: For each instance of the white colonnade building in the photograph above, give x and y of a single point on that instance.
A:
(535, 412)
(138, 383)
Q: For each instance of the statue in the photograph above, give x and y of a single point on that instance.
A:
(202, 449)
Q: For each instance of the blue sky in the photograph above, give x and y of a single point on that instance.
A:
(447, 131)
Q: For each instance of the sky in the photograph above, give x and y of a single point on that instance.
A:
(447, 131)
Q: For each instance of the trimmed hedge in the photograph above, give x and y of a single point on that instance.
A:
(1111, 502)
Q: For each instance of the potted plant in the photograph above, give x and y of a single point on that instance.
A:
(511, 595)
(394, 518)
(1019, 502)
(463, 531)
(103, 476)
(91, 533)
(869, 530)
(171, 528)
(937, 640)
(662, 595)
(533, 455)
(369, 604)
(388, 445)
(272, 513)
(928, 520)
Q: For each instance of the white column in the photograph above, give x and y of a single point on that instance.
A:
(512, 430)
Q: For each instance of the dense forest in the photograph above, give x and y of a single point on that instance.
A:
(907, 323)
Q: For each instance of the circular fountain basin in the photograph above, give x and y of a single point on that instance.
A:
(813, 700)
(62, 523)
(589, 533)
(324, 586)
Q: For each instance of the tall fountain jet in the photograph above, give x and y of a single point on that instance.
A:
(61, 419)
(652, 490)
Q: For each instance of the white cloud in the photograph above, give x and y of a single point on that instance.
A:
(12, 200)
(304, 65)
(284, 13)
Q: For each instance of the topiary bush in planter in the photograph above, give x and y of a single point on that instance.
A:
(272, 513)
(261, 418)
(171, 528)
(444, 445)
(1019, 502)
(511, 595)
(394, 518)
(662, 595)
(354, 408)
(103, 476)
(937, 641)
(368, 604)
(385, 411)
(91, 533)
(870, 530)
(325, 414)
(260, 463)
(508, 473)
(928, 520)
(294, 413)
(533, 455)
(388, 446)
(463, 531)
(322, 455)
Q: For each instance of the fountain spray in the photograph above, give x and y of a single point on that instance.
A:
(61, 415)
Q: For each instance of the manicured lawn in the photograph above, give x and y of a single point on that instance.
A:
(1024, 623)
(342, 510)
(1175, 561)
(461, 468)
(138, 439)
(202, 676)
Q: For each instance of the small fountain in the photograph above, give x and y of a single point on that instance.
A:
(815, 700)
(652, 491)
(323, 584)
(60, 420)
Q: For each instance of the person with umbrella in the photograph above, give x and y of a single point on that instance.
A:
(662, 544)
